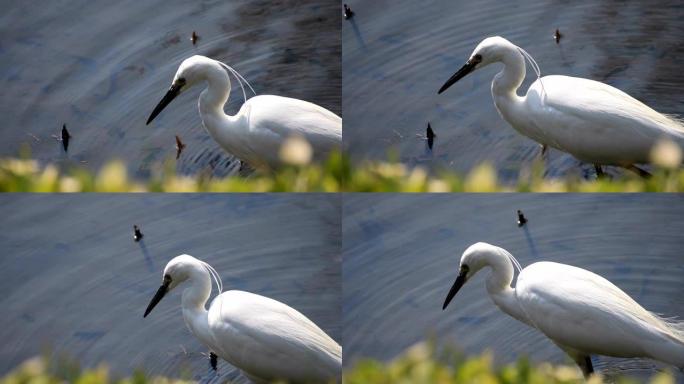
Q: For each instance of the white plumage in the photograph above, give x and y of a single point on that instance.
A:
(593, 121)
(266, 339)
(256, 133)
(581, 312)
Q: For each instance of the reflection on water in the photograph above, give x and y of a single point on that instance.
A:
(74, 280)
(398, 53)
(401, 255)
(101, 67)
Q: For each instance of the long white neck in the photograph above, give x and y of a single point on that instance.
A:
(507, 82)
(499, 284)
(223, 128)
(193, 303)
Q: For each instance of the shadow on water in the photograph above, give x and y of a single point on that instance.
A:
(410, 49)
(73, 278)
(357, 33)
(530, 242)
(401, 254)
(146, 255)
(101, 68)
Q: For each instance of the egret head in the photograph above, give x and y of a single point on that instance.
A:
(474, 258)
(177, 271)
(191, 71)
(490, 50)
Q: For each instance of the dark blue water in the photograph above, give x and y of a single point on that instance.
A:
(401, 255)
(74, 281)
(101, 67)
(397, 54)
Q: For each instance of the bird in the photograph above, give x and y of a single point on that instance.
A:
(264, 338)
(581, 312)
(256, 133)
(593, 121)
(65, 137)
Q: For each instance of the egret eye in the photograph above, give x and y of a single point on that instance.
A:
(477, 58)
(181, 81)
(167, 279)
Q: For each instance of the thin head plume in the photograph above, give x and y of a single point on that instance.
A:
(215, 276)
(533, 64)
(516, 264)
(240, 79)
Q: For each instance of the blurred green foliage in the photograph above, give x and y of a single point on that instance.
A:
(421, 364)
(397, 177)
(39, 371)
(25, 175)
(335, 175)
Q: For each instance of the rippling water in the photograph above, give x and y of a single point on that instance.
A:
(101, 67)
(73, 279)
(398, 53)
(401, 255)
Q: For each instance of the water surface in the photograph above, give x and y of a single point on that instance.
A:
(401, 255)
(74, 281)
(397, 54)
(101, 67)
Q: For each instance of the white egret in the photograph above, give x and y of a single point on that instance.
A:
(256, 133)
(580, 311)
(266, 339)
(592, 121)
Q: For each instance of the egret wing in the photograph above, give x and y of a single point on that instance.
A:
(595, 121)
(581, 310)
(274, 118)
(271, 340)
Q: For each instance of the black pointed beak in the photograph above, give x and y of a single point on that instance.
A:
(157, 296)
(460, 280)
(170, 95)
(468, 67)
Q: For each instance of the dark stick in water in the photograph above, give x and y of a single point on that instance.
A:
(65, 137)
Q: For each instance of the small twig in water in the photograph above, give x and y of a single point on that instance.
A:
(521, 219)
(557, 36)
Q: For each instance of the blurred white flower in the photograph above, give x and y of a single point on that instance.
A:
(296, 150)
(666, 154)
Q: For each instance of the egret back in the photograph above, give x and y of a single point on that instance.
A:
(270, 340)
(582, 310)
(596, 122)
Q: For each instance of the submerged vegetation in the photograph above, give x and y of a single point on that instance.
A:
(421, 364)
(335, 175)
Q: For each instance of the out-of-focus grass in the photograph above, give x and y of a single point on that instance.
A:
(40, 371)
(60, 370)
(397, 177)
(335, 175)
(422, 365)
(25, 175)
